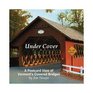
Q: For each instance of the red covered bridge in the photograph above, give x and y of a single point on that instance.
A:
(60, 44)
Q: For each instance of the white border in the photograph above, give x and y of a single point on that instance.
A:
(5, 5)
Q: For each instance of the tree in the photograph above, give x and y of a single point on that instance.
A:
(18, 20)
(61, 17)
(49, 10)
(74, 17)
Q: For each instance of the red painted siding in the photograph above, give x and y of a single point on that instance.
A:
(74, 61)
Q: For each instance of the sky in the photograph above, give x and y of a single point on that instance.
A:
(52, 16)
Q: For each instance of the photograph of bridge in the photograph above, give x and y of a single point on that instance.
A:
(47, 48)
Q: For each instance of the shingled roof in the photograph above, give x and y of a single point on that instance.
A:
(69, 32)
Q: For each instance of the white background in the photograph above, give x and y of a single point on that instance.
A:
(5, 5)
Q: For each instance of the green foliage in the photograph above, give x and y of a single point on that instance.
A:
(49, 10)
(74, 18)
(18, 20)
(61, 17)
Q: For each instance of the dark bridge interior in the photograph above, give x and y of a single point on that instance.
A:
(49, 40)
(37, 56)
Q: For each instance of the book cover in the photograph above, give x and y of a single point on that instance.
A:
(46, 46)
